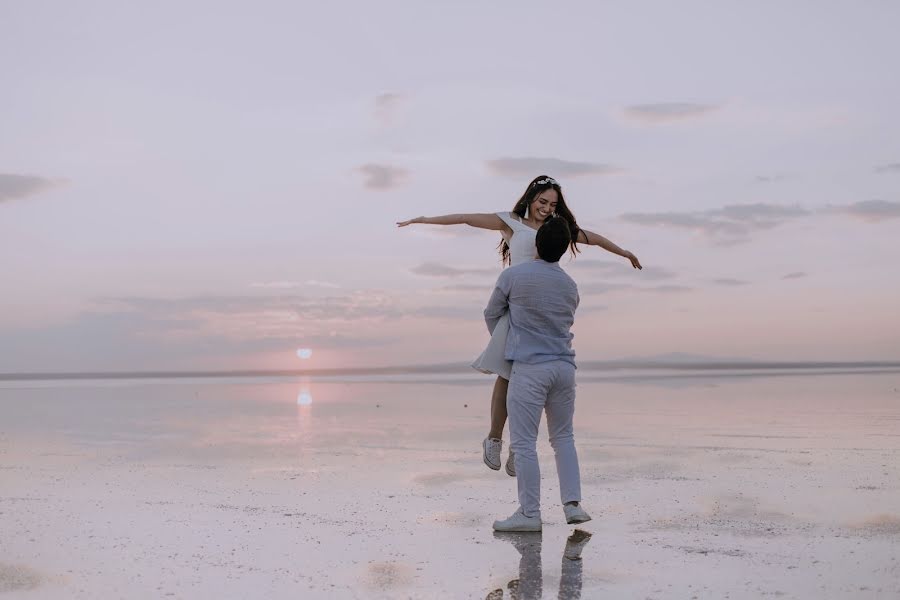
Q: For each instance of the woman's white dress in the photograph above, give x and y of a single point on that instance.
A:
(521, 249)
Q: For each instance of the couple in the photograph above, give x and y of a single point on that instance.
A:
(543, 199)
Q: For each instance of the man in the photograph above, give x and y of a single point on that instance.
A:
(541, 299)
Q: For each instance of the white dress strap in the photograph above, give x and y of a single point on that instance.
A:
(512, 220)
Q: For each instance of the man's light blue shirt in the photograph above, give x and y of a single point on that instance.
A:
(541, 299)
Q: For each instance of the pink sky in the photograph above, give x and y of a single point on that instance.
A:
(215, 187)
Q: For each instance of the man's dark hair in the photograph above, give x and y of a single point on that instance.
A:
(553, 239)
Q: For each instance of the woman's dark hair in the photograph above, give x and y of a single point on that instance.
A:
(552, 239)
(538, 185)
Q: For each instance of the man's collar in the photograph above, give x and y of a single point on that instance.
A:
(546, 262)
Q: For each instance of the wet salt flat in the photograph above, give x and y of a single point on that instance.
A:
(700, 487)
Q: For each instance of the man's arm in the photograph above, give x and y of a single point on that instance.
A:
(498, 305)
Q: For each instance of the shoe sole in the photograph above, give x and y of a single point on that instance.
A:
(511, 472)
(520, 530)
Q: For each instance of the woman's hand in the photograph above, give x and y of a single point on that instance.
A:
(634, 260)
(410, 222)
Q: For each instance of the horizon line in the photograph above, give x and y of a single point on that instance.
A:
(445, 368)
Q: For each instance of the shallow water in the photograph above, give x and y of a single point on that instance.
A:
(700, 486)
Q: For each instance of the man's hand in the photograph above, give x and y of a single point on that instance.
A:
(410, 222)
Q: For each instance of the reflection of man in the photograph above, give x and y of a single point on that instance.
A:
(541, 299)
(530, 584)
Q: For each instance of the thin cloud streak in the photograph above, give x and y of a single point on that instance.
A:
(599, 287)
(294, 285)
(606, 268)
(465, 288)
(382, 177)
(872, 211)
(434, 269)
(728, 281)
(15, 187)
(889, 168)
(203, 325)
(387, 106)
(730, 224)
(667, 112)
(532, 166)
(776, 178)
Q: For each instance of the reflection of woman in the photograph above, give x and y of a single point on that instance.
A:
(542, 199)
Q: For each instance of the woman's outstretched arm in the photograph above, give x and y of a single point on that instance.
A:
(594, 239)
(479, 220)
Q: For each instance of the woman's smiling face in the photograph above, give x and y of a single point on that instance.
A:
(544, 205)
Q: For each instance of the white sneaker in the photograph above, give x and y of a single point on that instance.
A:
(491, 447)
(519, 522)
(511, 464)
(576, 543)
(575, 514)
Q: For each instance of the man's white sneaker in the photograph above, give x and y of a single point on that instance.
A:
(519, 522)
(511, 464)
(575, 514)
(491, 447)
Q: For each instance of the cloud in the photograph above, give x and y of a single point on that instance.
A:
(386, 107)
(484, 288)
(872, 211)
(666, 112)
(285, 317)
(795, 275)
(607, 268)
(602, 287)
(594, 308)
(599, 287)
(382, 177)
(199, 331)
(473, 313)
(667, 289)
(730, 224)
(603, 267)
(352, 306)
(293, 285)
(433, 269)
(776, 178)
(889, 168)
(442, 232)
(13, 187)
(728, 281)
(533, 166)
(119, 338)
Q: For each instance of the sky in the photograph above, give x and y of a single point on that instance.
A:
(215, 185)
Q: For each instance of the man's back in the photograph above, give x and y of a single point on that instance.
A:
(542, 299)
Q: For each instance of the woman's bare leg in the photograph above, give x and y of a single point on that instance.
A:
(498, 408)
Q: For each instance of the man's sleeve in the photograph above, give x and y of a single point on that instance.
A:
(498, 304)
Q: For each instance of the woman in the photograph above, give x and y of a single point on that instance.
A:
(542, 199)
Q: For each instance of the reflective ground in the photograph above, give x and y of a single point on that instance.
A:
(765, 486)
